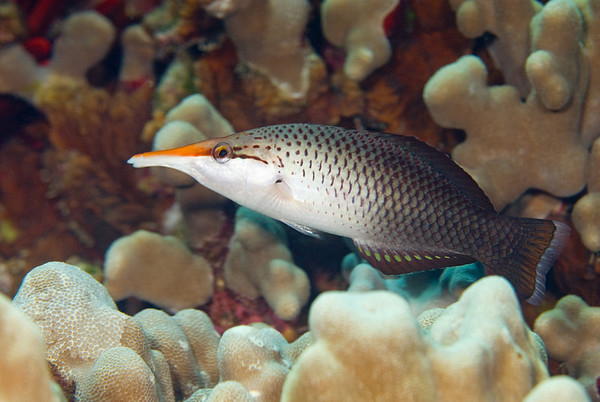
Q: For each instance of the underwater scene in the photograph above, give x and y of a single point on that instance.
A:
(300, 200)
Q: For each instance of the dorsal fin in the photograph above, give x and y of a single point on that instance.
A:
(441, 164)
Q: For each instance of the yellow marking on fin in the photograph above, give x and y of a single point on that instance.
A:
(418, 257)
(377, 256)
(407, 258)
(367, 253)
(428, 257)
(397, 258)
(387, 258)
(447, 257)
(437, 257)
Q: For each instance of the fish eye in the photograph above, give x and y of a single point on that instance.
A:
(222, 152)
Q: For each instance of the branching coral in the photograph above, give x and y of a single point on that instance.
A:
(479, 348)
(512, 145)
(260, 264)
(571, 332)
(158, 269)
(268, 39)
(357, 26)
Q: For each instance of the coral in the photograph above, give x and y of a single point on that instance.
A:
(479, 348)
(558, 388)
(571, 332)
(138, 56)
(85, 39)
(78, 319)
(166, 336)
(507, 20)
(193, 119)
(98, 353)
(258, 358)
(457, 279)
(260, 264)
(200, 113)
(268, 39)
(158, 269)
(364, 277)
(25, 374)
(118, 373)
(502, 150)
(357, 26)
(585, 215)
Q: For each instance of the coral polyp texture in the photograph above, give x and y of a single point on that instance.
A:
(99, 353)
(478, 349)
(571, 332)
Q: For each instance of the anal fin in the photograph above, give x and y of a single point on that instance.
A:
(395, 262)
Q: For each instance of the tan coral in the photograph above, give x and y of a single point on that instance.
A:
(118, 374)
(166, 336)
(268, 38)
(502, 151)
(84, 40)
(508, 21)
(479, 349)
(159, 269)
(259, 264)
(503, 148)
(557, 388)
(80, 322)
(25, 374)
(259, 359)
(203, 339)
(357, 26)
(586, 212)
(571, 332)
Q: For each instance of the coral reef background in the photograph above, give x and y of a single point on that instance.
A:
(85, 85)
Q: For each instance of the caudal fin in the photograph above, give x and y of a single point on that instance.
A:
(537, 248)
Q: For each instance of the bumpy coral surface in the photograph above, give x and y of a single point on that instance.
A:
(571, 332)
(158, 269)
(99, 353)
(363, 343)
(78, 318)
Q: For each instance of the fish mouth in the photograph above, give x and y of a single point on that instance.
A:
(168, 157)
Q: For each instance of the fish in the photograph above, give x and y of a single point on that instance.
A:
(406, 206)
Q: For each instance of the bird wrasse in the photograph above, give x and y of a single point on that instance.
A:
(406, 206)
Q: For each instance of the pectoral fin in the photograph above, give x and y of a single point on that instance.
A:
(304, 229)
(395, 262)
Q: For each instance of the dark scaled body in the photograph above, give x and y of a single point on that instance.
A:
(408, 207)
